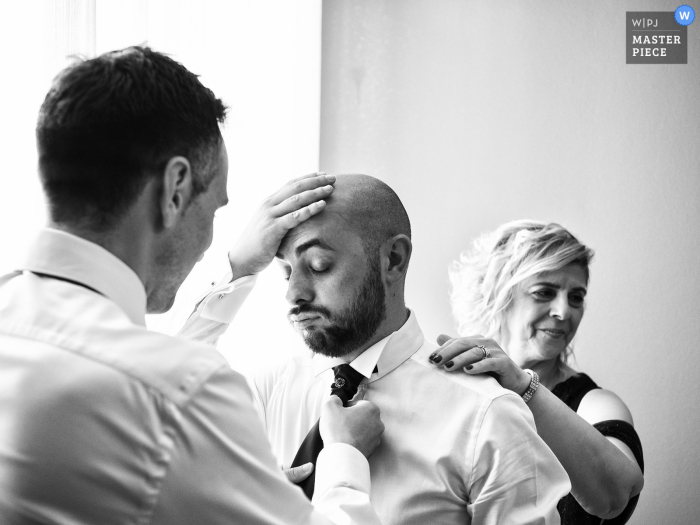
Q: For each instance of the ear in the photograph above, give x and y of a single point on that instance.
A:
(176, 190)
(397, 251)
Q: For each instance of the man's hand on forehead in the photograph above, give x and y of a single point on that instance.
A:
(292, 204)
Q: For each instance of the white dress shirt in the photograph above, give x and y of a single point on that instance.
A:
(103, 422)
(457, 449)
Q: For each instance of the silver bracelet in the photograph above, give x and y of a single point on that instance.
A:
(534, 383)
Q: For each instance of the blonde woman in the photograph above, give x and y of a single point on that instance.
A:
(522, 288)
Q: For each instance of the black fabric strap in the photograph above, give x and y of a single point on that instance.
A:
(626, 433)
(572, 390)
(345, 385)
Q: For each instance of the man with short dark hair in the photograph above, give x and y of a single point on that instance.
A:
(102, 421)
(457, 449)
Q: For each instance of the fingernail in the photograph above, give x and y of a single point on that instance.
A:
(449, 364)
(320, 173)
(469, 367)
(330, 178)
(306, 468)
(435, 358)
(328, 187)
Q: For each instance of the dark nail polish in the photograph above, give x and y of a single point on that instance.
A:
(449, 364)
(469, 367)
(435, 358)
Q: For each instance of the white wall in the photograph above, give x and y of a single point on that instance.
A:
(482, 112)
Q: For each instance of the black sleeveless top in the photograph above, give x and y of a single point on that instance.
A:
(571, 392)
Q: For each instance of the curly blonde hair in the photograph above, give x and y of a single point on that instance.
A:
(485, 277)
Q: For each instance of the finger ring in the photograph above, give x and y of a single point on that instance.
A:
(485, 351)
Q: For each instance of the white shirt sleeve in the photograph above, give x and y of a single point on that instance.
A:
(216, 309)
(342, 485)
(516, 479)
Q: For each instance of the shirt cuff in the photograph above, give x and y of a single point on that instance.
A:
(340, 464)
(222, 302)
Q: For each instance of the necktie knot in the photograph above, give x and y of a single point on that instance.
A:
(347, 380)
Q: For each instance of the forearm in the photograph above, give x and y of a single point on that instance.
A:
(603, 478)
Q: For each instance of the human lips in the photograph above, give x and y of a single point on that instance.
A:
(554, 333)
(303, 320)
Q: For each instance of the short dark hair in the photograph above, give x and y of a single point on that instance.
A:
(109, 123)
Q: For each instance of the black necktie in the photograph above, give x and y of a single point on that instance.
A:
(347, 379)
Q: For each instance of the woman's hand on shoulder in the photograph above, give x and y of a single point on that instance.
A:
(466, 353)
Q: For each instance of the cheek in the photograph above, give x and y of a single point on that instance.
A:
(576, 317)
(338, 292)
(530, 315)
(205, 231)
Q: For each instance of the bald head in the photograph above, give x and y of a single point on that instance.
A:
(370, 208)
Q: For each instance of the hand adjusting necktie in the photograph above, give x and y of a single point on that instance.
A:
(347, 379)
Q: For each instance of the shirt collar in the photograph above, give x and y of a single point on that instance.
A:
(386, 354)
(68, 256)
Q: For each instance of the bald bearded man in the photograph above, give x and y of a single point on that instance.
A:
(456, 449)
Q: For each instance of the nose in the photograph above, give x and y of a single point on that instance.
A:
(299, 289)
(560, 307)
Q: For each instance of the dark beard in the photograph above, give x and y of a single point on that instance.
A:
(353, 327)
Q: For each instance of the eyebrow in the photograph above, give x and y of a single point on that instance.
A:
(310, 244)
(556, 286)
(305, 246)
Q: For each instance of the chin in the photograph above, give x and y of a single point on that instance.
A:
(159, 305)
(550, 351)
(320, 342)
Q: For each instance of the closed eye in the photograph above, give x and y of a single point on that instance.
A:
(319, 266)
(544, 295)
(576, 299)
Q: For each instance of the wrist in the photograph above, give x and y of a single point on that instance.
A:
(237, 269)
(524, 383)
(532, 388)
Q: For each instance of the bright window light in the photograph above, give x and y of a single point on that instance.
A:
(262, 58)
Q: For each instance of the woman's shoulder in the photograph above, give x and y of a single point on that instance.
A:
(601, 405)
(606, 411)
